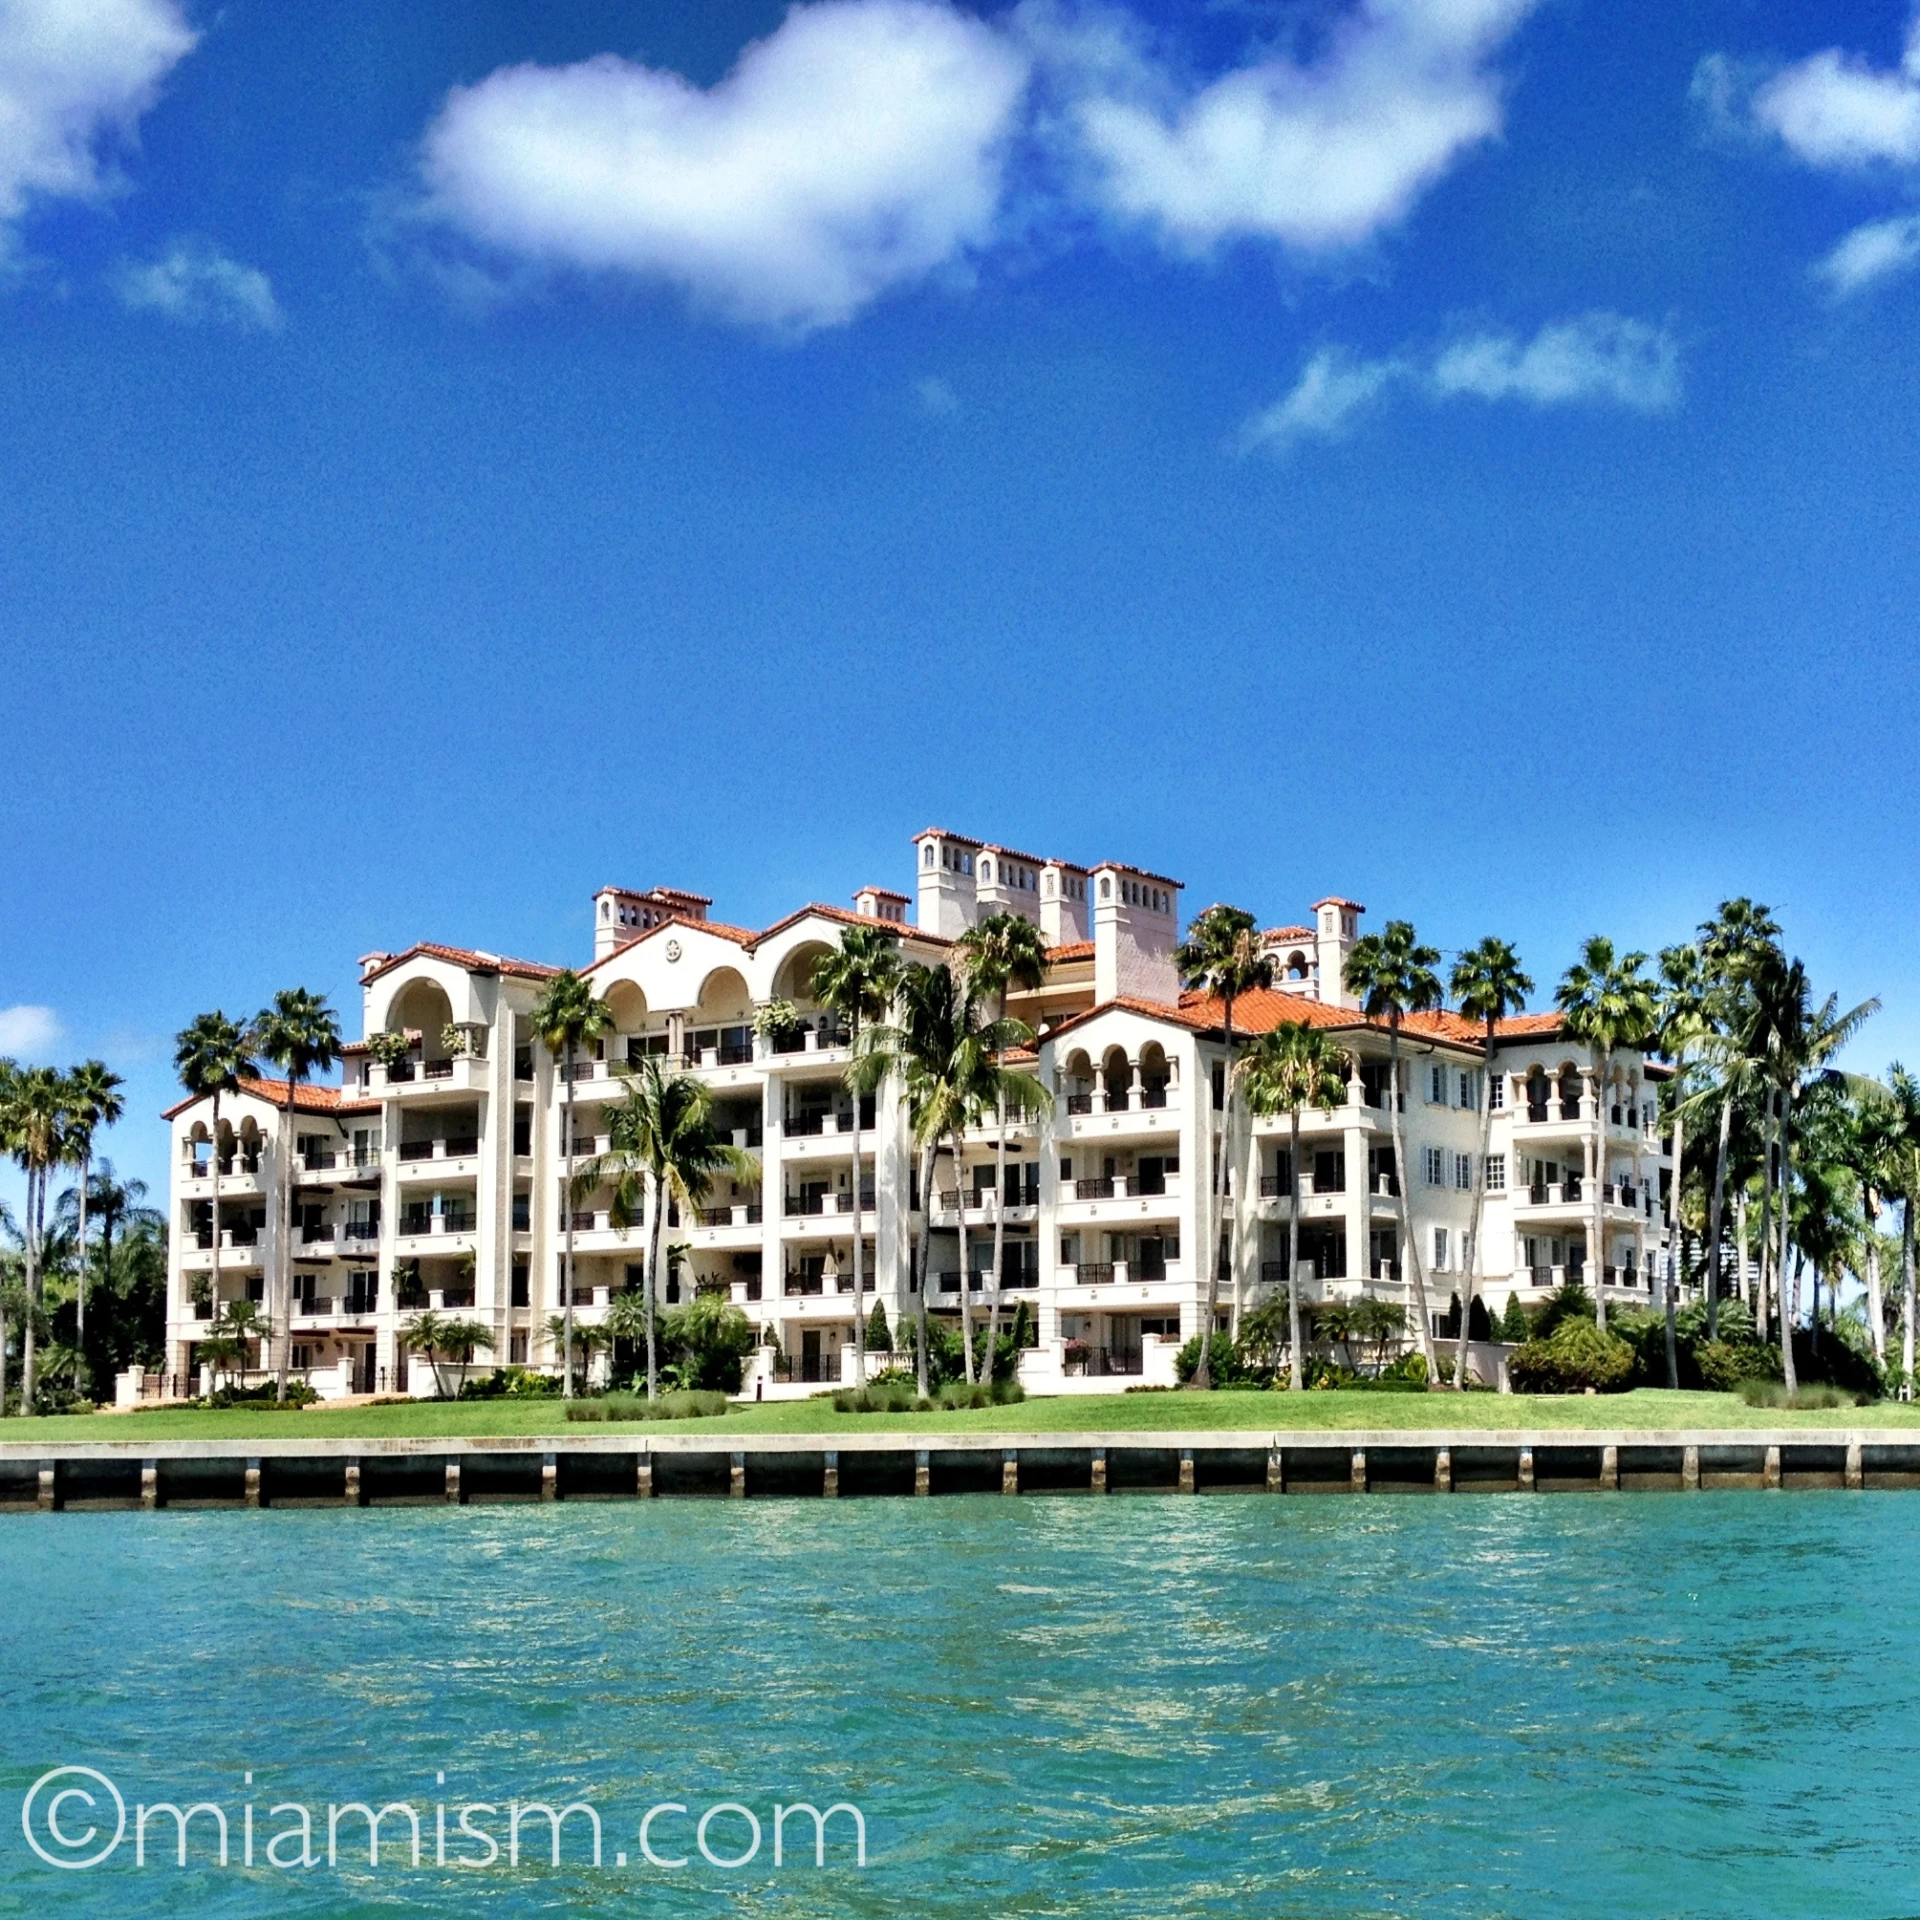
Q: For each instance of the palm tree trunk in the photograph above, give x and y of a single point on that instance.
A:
(1746, 1285)
(1769, 1283)
(1677, 1260)
(286, 1247)
(1780, 1266)
(1293, 1255)
(1203, 1368)
(1906, 1297)
(1473, 1231)
(81, 1376)
(1715, 1211)
(1600, 1093)
(922, 1259)
(650, 1279)
(999, 1224)
(31, 1274)
(1409, 1252)
(566, 1264)
(1816, 1298)
(1876, 1320)
(960, 1214)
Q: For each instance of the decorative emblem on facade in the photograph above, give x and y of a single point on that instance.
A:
(673, 949)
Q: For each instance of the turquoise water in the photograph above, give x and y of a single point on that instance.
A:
(1567, 1706)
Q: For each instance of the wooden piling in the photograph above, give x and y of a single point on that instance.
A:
(1443, 1470)
(830, 1476)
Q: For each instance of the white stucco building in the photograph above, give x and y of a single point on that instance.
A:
(438, 1180)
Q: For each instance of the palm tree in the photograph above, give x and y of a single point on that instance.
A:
(1903, 1166)
(1868, 1131)
(119, 1205)
(1221, 957)
(1686, 1019)
(661, 1145)
(210, 1056)
(587, 1341)
(947, 1058)
(93, 1101)
(434, 1334)
(1804, 1039)
(36, 1119)
(1607, 1006)
(856, 981)
(300, 1035)
(996, 955)
(1392, 975)
(1489, 985)
(1732, 944)
(568, 1016)
(1289, 1068)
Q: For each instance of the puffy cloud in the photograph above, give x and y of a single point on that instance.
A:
(858, 147)
(74, 78)
(937, 398)
(1870, 253)
(1597, 358)
(195, 282)
(1316, 153)
(28, 1031)
(1835, 110)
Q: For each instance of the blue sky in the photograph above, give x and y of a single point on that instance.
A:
(1455, 453)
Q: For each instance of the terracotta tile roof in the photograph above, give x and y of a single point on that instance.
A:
(1336, 900)
(1516, 1026)
(1288, 933)
(469, 957)
(1014, 853)
(884, 893)
(845, 917)
(740, 936)
(306, 1099)
(1070, 950)
(1139, 873)
(965, 840)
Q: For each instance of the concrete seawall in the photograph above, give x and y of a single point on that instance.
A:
(297, 1471)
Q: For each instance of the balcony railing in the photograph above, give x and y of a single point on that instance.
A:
(1096, 1189)
(1079, 1103)
(1102, 1362)
(360, 1230)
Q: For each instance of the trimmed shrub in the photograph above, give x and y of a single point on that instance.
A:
(1725, 1366)
(1576, 1356)
(687, 1404)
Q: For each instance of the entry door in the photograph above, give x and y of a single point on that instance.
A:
(810, 1354)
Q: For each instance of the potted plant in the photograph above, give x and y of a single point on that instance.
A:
(390, 1050)
(455, 1040)
(779, 1026)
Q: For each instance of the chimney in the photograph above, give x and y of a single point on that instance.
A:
(949, 901)
(1008, 882)
(1136, 926)
(882, 903)
(1063, 904)
(1336, 927)
(621, 916)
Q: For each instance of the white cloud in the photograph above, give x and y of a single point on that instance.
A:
(28, 1031)
(936, 397)
(1836, 110)
(859, 147)
(193, 281)
(1318, 154)
(1333, 386)
(73, 79)
(1871, 253)
(1597, 358)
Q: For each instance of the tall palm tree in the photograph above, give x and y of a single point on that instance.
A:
(300, 1035)
(857, 981)
(1392, 975)
(1289, 1068)
(947, 1058)
(1489, 984)
(1869, 1134)
(210, 1056)
(1805, 1039)
(567, 1016)
(1732, 944)
(1903, 1168)
(998, 954)
(9, 1143)
(93, 1101)
(662, 1145)
(1221, 957)
(1686, 1019)
(1607, 1006)
(36, 1122)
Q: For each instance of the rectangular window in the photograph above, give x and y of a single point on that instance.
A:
(1437, 1086)
(1436, 1167)
(1466, 1099)
(1497, 1092)
(1496, 1173)
(1463, 1172)
(1439, 1249)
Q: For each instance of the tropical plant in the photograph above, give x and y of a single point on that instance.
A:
(1685, 1022)
(210, 1056)
(1289, 1068)
(1392, 975)
(708, 1340)
(1221, 957)
(776, 1020)
(997, 954)
(583, 1341)
(662, 1145)
(93, 1101)
(567, 1016)
(1903, 1169)
(1489, 985)
(856, 981)
(300, 1035)
(34, 1117)
(1607, 1005)
(434, 1334)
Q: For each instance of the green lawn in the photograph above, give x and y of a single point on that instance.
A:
(1144, 1412)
